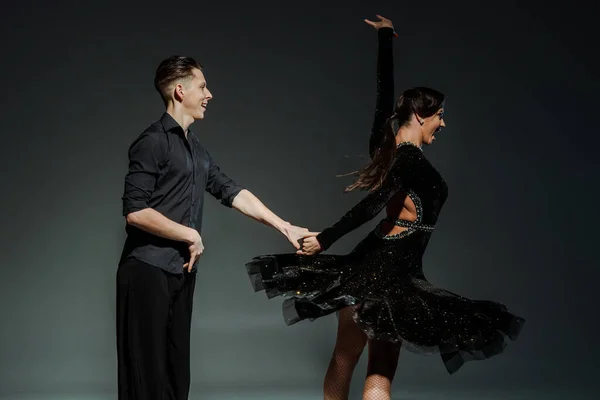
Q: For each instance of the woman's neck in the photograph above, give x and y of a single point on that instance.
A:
(409, 134)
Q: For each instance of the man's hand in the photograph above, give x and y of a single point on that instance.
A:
(382, 23)
(196, 248)
(295, 233)
(310, 246)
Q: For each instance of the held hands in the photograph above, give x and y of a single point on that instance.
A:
(295, 234)
(382, 23)
(196, 248)
(303, 240)
(310, 246)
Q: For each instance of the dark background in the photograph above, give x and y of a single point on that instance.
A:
(294, 91)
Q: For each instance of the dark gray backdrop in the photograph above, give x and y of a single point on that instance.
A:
(294, 86)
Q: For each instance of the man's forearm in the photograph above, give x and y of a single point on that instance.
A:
(249, 205)
(153, 222)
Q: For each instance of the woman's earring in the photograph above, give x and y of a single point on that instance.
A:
(421, 122)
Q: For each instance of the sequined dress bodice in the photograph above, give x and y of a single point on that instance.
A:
(410, 173)
(425, 187)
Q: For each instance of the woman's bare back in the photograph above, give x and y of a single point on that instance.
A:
(401, 207)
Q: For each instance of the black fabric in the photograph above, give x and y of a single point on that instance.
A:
(154, 312)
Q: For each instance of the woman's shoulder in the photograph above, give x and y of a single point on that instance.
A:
(407, 152)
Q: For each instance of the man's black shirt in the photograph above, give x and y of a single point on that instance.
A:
(170, 174)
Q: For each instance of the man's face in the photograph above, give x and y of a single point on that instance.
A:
(196, 95)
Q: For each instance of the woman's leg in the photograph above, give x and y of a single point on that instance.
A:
(383, 360)
(349, 346)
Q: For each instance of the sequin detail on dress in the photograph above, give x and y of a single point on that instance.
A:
(409, 144)
(412, 226)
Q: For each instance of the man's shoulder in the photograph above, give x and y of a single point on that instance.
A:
(155, 129)
(153, 132)
(152, 139)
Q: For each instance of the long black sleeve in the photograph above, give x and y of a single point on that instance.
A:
(384, 106)
(369, 207)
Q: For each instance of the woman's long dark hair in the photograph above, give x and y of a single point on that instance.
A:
(422, 101)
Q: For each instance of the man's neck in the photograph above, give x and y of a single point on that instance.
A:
(181, 118)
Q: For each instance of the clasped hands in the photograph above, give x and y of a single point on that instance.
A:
(303, 240)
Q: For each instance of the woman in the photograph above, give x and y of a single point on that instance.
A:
(379, 288)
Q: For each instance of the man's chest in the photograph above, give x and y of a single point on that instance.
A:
(186, 161)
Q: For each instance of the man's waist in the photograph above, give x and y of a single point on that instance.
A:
(138, 238)
(171, 262)
(159, 249)
(140, 234)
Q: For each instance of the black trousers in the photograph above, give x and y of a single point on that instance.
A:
(154, 314)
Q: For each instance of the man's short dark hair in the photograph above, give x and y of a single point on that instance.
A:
(171, 70)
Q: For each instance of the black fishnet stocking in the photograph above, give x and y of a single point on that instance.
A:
(383, 360)
(350, 342)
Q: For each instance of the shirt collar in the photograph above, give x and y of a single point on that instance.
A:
(170, 125)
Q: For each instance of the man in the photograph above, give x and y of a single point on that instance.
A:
(169, 171)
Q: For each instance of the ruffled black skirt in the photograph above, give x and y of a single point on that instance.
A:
(384, 281)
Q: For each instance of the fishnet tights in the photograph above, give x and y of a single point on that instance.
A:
(350, 342)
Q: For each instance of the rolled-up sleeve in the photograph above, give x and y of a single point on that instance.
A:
(220, 186)
(142, 173)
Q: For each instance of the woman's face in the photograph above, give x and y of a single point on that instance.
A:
(432, 125)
